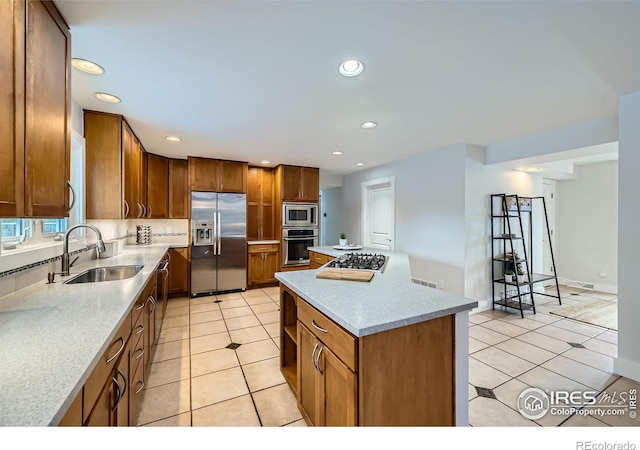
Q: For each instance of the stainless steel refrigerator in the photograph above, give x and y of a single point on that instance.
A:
(218, 242)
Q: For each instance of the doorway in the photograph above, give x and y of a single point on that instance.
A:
(548, 189)
(379, 213)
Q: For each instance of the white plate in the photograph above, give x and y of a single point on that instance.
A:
(347, 247)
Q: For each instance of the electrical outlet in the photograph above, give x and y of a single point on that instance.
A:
(603, 273)
(440, 284)
(169, 229)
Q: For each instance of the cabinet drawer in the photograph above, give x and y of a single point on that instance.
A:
(137, 337)
(263, 248)
(137, 310)
(107, 362)
(338, 340)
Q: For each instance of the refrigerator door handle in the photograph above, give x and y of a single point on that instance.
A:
(219, 233)
(214, 239)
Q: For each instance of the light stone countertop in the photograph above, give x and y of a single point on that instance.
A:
(52, 336)
(390, 300)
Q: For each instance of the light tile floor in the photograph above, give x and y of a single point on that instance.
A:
(195, 380)
(508, 354)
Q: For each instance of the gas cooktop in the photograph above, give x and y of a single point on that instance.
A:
(360, 261)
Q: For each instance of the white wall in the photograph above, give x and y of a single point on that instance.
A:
(587, 225)
(77, 117)
(331, 225)
(482, 181)
(628, 361)
(430, 217)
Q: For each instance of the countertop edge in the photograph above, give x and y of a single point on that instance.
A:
(59, 415)
(362, 332)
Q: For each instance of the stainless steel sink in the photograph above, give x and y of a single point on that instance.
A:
(109, 273)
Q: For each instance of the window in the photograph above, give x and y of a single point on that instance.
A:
(54, 226)
(12, 227)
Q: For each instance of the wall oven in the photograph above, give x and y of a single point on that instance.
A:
(300, 215)
(295, 245)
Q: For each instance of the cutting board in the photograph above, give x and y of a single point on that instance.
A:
(345, 274)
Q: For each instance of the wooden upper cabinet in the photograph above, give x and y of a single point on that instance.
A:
(299, 184)
(216, 175)
(260, 214)
(47, 111)
(11, 108)
(35, 110)
(158, 186)
(178, 189)
(115, 168)
(105, 143)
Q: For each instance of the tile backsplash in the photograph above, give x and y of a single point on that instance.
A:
(24, 268)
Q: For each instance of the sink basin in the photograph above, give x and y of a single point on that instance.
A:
(110, 273)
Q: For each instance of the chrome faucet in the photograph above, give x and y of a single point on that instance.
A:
(65, 247)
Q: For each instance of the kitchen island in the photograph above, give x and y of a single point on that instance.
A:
(384, 352)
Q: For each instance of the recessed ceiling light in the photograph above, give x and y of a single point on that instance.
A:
(87, 66)
(359, 164)
(367, 125)
(173, 138)
(265, 161)
(336, 153)
(107, 97)
(351, 68)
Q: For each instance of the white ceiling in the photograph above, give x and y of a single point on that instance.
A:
(258, 80)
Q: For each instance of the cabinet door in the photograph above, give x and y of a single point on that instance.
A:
(157, 182)
(11, 109)
(178, 189)
(203, 174)
(47, 112)
(290, 183)
(136, 393)
(308, 388)
(178, 271)
(136, 178)
(121, 405)
(267, 216)
(338, 392)
(255, 269)
(128, 162)
(310, 184)
(101, 415)
(104, 137)
(271, 266)
(232, 176)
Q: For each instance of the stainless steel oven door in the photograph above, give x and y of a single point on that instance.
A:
(296, 247)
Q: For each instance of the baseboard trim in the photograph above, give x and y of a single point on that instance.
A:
(601, 287)
(626, 368)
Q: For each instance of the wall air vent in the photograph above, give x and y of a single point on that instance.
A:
(581, 284)
(430, 284)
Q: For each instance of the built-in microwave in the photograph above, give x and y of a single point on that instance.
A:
(299, 214)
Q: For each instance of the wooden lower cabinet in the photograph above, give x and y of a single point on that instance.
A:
(263, 263)
(112, 406)
(400, 377)
(112, 394)
(317, 260)
(178, 272)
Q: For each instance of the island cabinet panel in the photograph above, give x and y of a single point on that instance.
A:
(407, 375)
(399, 377)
